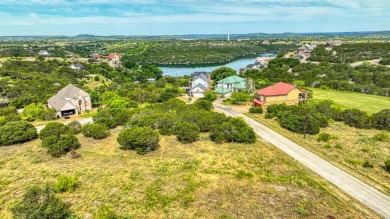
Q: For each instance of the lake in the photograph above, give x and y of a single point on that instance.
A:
(236, 65)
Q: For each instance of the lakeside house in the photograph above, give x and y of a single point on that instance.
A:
(70, 100)
(278, 94)
(113, 59)
(231, 84)
(197, 74)
(200, 84)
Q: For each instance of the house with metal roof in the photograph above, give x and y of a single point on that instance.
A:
(278, 94)
(231, 84)
(77, 66)
(70, 100)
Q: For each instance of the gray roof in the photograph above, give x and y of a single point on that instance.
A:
(201, 86)
(78, 65)
(196, 74)
(203, 77)
(58, 101)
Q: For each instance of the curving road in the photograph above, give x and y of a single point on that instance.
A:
(357, 189)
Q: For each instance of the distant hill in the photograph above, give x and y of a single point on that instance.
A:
(203, 36)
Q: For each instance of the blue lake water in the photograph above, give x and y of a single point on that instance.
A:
(236, 65)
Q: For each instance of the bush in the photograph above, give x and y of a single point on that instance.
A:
(142, 139)
(112, 117)
(65, 183)
(60, 145)
(75, 126)
(38, 111)
(9, 118)
(233, 130)
(383, 136)
(55, 129)
(356, 118)
(210, 96)
(187, 132)
(40, 203)
(381, 120)
(96, 131)
(324, 137)
(273, 110)
(204, 105)
(166, 123)
(17, 132)
(367, 164)
(296, 123)
(387, 165)
(256, 110)
(105, 212)
(240, 97)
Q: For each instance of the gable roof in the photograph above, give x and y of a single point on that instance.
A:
(201, 86)
(203, 77)
(196, 74)
(78, 66)
(277, 89)
(59, 101)
(231, 80)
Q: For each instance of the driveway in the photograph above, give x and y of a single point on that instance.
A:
(82, 121)
(357, 189)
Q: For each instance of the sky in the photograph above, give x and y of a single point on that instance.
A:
(178, 17)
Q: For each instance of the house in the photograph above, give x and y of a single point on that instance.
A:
(196, 74)
(200, 84)
(43, 53)
(331, 43)
(77, 66)
(114, 63)
(279, 93)
(231, 84)
(70, 100)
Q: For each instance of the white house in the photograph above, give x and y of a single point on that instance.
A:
(77, 66)
(43, 53)
(200, 85)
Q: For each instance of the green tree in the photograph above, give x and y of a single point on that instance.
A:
(141, 139)
(221, 73)
(17, 132)
(187, 132)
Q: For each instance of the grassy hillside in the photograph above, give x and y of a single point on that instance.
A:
(369, 103)
(200, 180)
(349, 150)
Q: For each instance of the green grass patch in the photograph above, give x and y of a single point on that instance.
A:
(344, 100)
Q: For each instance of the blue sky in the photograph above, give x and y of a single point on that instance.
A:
(161, 17)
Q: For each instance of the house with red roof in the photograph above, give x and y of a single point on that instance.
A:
(278, 94)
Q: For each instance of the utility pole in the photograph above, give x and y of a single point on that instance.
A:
(306, 117)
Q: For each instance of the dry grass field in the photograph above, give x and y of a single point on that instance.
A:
(349, 151)
(199, 180)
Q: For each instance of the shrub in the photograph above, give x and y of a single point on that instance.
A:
(274, 109)
(387, 165)
(9, 118)
(65, 183)
(383, 136)
(142, 139)
(59, 145)
(112, 117)
(233, 130)
(240, 97)
(17, 132)
(40, 203)
(105, 212)
(55, 129)
(296, 123)
(256, 110)
(324, 137)
(356, 118)
(187, 132)
(204, 105)
(381, 120)
(8, 110)
(133, 104)
(96, 131)
(166, 123)
(34, 112)
(75, 126)
(210, 96)
(367, 164)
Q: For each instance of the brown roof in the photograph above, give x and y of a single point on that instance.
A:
(59, 100)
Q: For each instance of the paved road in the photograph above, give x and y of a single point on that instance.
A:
(82, 121)
(362, 192)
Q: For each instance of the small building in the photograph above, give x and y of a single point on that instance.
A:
(278, 94)
(43, 53)
(200, 84)
(231, 84)
(70, 100)
(77, 66)
(197, 74)
(114, 63)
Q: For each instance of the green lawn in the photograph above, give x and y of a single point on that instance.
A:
(369, 103)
